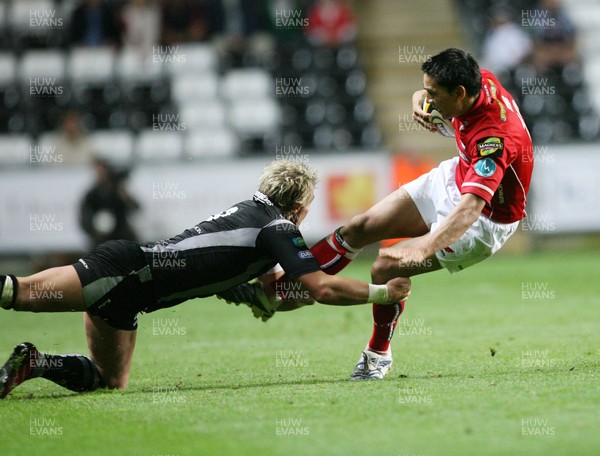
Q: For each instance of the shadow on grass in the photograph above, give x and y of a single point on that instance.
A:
(390, 379)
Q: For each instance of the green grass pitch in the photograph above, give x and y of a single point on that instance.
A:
(501, 359)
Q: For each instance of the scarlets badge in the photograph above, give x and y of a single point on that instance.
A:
(485, 167)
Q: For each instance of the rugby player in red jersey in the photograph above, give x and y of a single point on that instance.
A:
(456, 215)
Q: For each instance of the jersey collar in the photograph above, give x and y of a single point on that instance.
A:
(475, 108)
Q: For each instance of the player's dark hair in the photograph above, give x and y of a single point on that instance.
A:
(454, 67)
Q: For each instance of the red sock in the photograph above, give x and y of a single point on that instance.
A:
(385, 318)
(331, 254)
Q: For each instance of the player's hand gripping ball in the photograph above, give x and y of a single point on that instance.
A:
(444, 127)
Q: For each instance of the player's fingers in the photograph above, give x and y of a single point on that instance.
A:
(424, 122)
(399, 289)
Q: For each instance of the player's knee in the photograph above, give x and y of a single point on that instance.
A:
(383, 269)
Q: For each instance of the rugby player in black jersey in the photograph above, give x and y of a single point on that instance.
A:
(119, 279)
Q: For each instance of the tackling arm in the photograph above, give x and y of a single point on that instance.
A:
(334, 290)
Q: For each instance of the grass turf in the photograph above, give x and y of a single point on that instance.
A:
(501, 359)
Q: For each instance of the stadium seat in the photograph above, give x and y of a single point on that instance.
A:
(327, 87)
(203, 114)
(592, 76)
(210, 143)
(346, 58)
(32, 18)
(302, 59)
(323, 137)
(255, 117)
(41, 64)
(371, 137)
(132, 67)
(21, 12)
(113, 146)
(15, 150)
(188, 58)
(247, 83)
(91, 66)
(315, 111)
(42, 81)
(9, 90)
(65, 10)
(3, 19)
(158, 146)
(8, 69)
(324, 59)
(142, 85)
(589, 127)
(194, 88)
(364, 110)
(47, 139)
(356, 83)
(335, 113)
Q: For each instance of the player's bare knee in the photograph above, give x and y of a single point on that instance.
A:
(383, 269)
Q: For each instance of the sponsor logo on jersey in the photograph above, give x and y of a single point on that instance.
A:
(485, 167)
(500, 104)
(299, 242)
(104, 304)
(492, 146)
(305, 254)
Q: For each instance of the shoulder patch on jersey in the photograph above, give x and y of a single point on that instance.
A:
(299, 242)
(486, 167)
(490, 146)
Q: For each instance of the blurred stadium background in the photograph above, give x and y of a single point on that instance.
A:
(139, 118)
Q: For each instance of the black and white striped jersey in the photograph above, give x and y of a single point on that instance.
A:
(225, 250)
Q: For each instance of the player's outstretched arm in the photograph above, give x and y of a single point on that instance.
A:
(334, 290)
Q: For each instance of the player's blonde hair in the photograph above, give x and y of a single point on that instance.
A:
(287, 184)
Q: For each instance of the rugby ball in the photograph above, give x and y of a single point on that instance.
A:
(444, 127)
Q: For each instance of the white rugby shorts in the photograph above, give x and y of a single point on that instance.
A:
(435, 194)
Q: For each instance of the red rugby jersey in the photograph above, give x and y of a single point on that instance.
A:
(496, 153)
